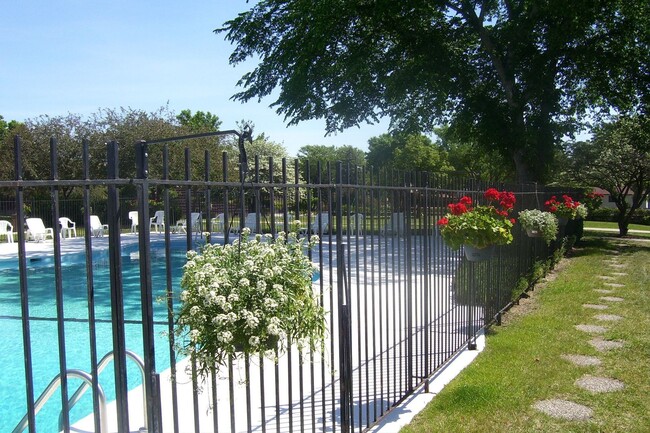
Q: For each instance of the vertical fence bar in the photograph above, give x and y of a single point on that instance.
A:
(153, 422)
(90, 286)
(344, 310)
(117, 292)
(24, 299)
(58, 285)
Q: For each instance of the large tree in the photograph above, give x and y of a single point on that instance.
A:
(618, 161)
(511, 75)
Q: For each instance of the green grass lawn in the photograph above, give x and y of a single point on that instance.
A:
(522, 361)
(613, 226)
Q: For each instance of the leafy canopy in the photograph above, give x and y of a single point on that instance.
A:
(511, 75)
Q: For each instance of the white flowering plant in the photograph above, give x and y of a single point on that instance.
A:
(254, 296)
(538, 222)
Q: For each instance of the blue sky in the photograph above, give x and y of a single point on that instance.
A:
(59, 57)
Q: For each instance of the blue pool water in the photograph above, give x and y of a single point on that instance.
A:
(43, 326)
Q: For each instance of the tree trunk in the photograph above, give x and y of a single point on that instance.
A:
(623, 224)
(523, 172)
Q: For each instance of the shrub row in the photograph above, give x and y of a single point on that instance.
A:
(640, 216)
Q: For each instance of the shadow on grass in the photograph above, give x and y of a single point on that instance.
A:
(595, 243)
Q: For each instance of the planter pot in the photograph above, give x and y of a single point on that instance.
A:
(474, 254)
(534, 233)
(562, 221)
(270, 344)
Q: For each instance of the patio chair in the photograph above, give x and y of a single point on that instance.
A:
(395, 224)
(250, 222)
(133, 216)
(319, 225)
(6, 229)
(68, 228)
(356, 224)
(96, 227)
(217, 223)
(157, 221)
(196, 222)
(36, 230)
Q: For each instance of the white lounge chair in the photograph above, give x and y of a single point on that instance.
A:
(250, 222)
(96, 227)
(6, 229)
(217, 223)
(395, 224)
(196, 222)
(157, 221)
(68, 228)
(356, 224)
(320, 224)
(133, 216)
(36, 230)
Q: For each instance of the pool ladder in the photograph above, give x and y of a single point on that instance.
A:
(87, 383)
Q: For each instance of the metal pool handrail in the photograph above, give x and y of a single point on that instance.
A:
(100, 367)
(51, 388)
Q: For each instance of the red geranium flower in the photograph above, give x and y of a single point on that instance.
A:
(443, 221)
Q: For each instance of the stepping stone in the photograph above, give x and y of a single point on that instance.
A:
(564, 409)
(599, 384)
(611, 299)
(603, 291)
(614, 285)
(616, 265)
(595, 306)
(582, 360)
(594, 329)
(605, 277)
(604, 345)
(608, 317)
(620, 274)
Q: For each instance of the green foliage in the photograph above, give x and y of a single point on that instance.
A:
(618, 161)
(410, 152)
(510, 77)
(199, 121)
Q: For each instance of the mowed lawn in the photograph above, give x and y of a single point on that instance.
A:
(522, 362)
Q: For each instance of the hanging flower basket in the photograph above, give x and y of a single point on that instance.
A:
(539, 224)
(252, 296)
(479, 226)
(474, 254)
(534, 233)
(567, 209)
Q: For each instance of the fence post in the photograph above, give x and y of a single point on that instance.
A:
(151, 378)
(117, 291)
(345, 331)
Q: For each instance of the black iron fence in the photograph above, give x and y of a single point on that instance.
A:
(400, 303)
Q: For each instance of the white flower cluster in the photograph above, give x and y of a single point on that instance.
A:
(251, 296)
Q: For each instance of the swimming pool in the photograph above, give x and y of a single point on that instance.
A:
(43, 327)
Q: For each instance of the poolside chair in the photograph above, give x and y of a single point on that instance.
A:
(395, 224)
(6, 229)
(96, 227)
(217, 223)
(196, 222)
(250, 222)
(356, 224)
(157, 221)
(320, 223)
(36, 230)
(68, 228)
(133, 216)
